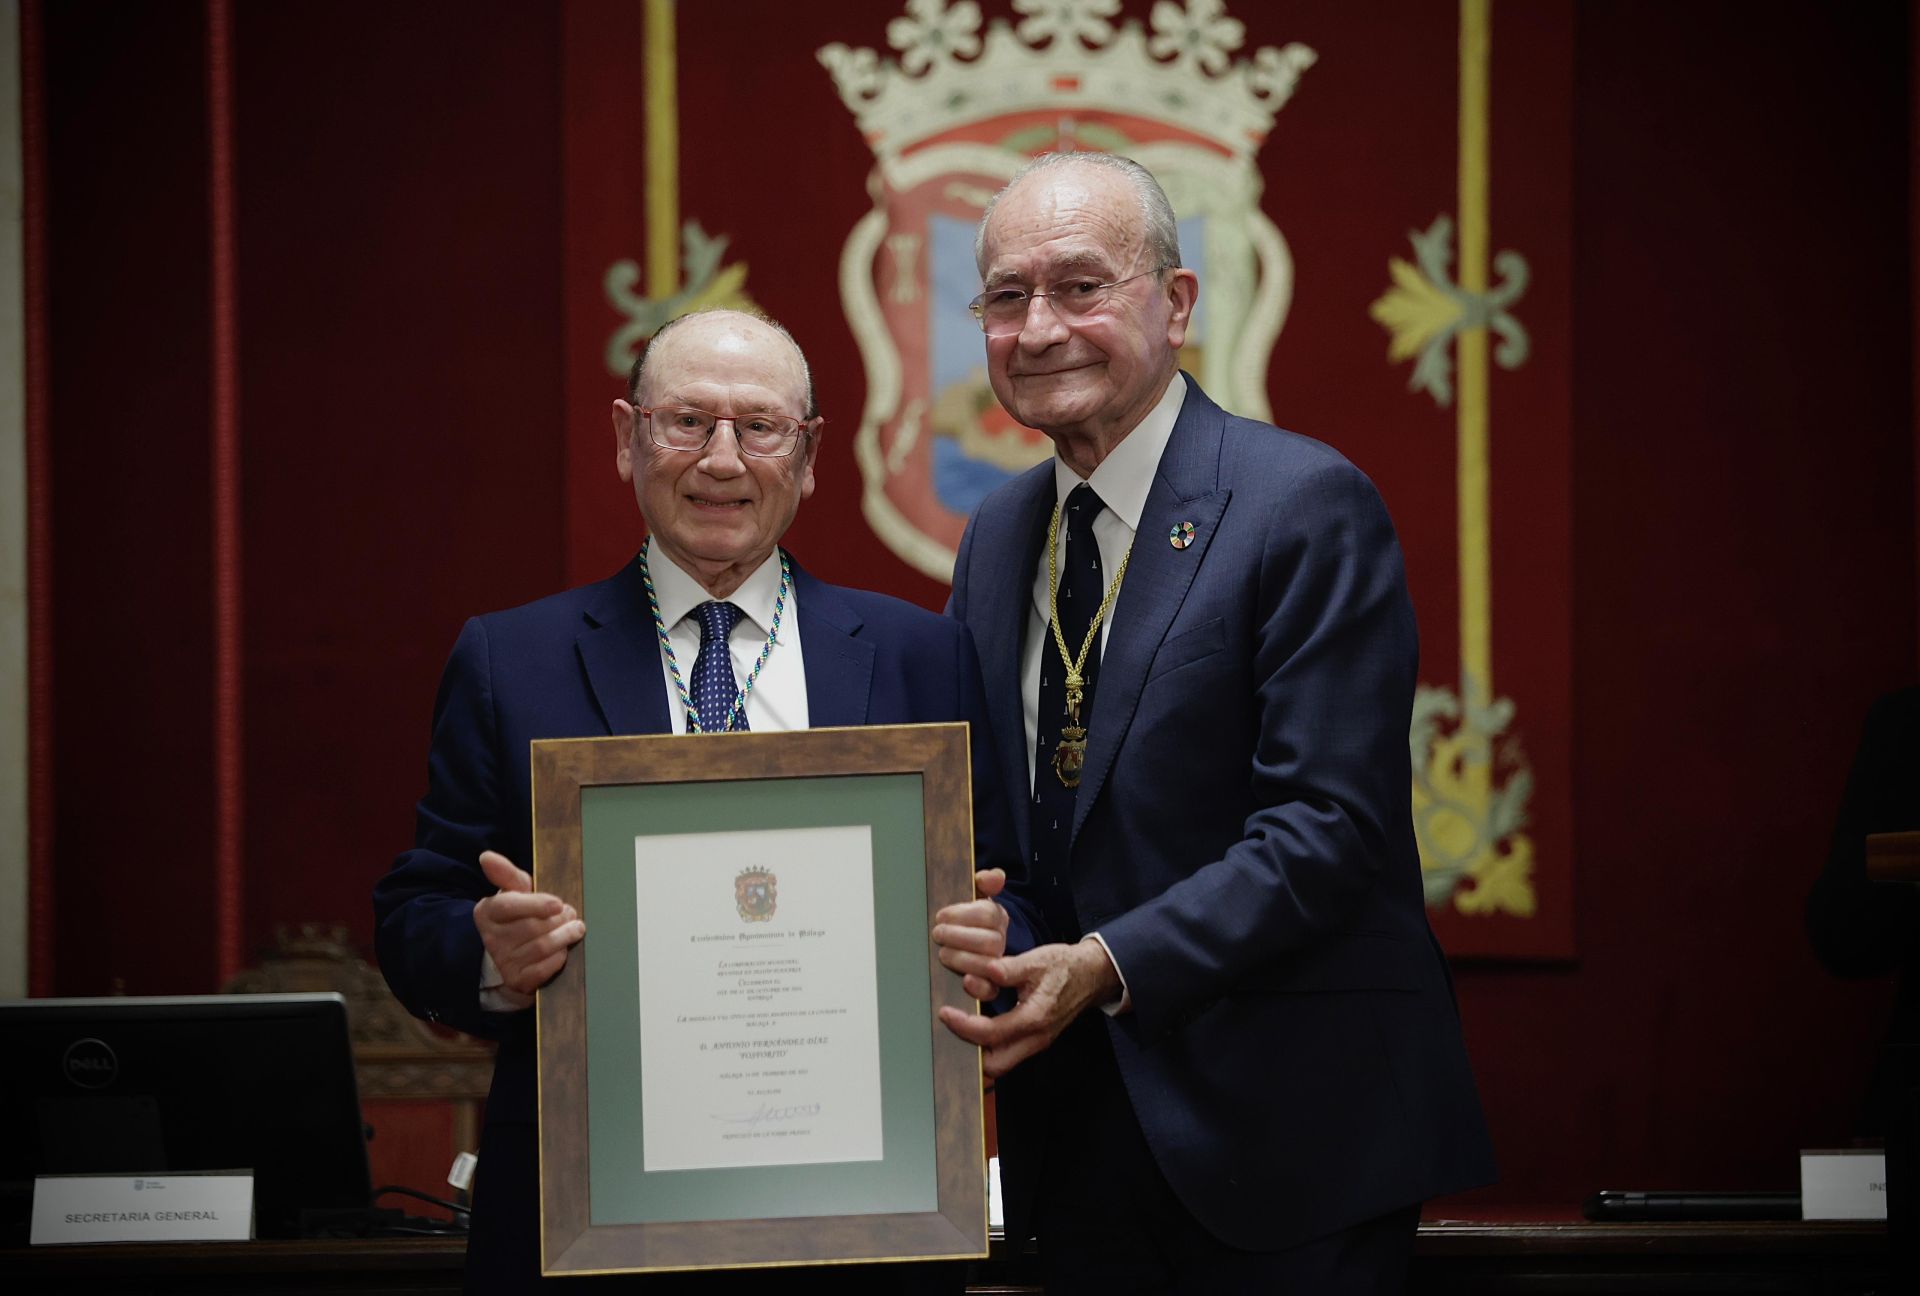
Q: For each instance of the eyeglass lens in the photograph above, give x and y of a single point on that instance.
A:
(1004, 310)
(1007, 307)
(682, 427)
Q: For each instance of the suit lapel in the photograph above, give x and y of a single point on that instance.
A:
(999, 594)
(1186, 488)
(839, 663)
(620, 654)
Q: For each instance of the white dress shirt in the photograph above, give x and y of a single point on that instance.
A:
(1121, 481)
(779, 697)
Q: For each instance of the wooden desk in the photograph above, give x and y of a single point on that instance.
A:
(1575, 1256)
(373, 1267)
(1451, 1256)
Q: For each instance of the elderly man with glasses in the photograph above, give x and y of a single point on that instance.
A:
(712, 627)
(1229, 1055)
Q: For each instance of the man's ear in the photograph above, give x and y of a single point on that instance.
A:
(1183, 290)
(816, 427)
(624, 418)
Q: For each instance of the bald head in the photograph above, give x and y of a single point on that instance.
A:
(731, 331)
(1159, 230)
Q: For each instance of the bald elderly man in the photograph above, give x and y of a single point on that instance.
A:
(712, 627)
(1229, 1054)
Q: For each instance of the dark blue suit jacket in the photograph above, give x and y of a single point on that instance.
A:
(1243, 840)
(586, 663)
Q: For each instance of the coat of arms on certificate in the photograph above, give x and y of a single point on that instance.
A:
(755, 894)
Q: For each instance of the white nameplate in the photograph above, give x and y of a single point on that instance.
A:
(1843, 1185)
(69, 1209)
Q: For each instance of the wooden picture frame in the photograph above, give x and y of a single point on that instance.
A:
(595, 801)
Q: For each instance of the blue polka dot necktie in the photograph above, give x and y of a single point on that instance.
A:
(714, 688)
(1082, 586)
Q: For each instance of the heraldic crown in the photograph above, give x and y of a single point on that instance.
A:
(1067, 57)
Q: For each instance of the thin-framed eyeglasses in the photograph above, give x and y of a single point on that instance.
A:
(686, 427)
(1004, 310)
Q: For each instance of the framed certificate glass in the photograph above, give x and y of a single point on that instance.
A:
(741, 1065)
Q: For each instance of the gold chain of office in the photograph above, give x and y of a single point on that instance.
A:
(1071, 755)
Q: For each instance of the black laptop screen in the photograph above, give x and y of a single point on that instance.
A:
(220, 1082)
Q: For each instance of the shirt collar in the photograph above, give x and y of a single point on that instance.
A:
(680, 593)
(1126, 475)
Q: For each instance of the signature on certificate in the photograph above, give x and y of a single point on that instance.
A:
(766, 1114)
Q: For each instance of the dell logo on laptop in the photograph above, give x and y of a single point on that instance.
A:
(90, 1064)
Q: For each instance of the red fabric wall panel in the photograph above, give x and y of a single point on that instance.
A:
(1532, 439)
(1743, 512)
(400, 334)
(604, 207)
(129, 406)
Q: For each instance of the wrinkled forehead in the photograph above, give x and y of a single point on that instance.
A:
(737, 355)
(1070, 220)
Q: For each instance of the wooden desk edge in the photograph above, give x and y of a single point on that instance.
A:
(1438, 1240)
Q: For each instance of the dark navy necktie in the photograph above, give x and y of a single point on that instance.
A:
(1082, 586)
(714, 687)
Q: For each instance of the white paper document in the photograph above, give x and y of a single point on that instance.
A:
(759, 1018)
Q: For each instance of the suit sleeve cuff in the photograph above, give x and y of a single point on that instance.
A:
(1125, 1002)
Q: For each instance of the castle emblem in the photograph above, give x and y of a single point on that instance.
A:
(755, 894)
(948, 123)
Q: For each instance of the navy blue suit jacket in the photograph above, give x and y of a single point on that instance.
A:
(1243, 840)
(586, 663)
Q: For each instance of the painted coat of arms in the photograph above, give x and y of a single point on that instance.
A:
(756, 894)
(949, 123)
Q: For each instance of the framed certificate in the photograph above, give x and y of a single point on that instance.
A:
(741, 1065)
